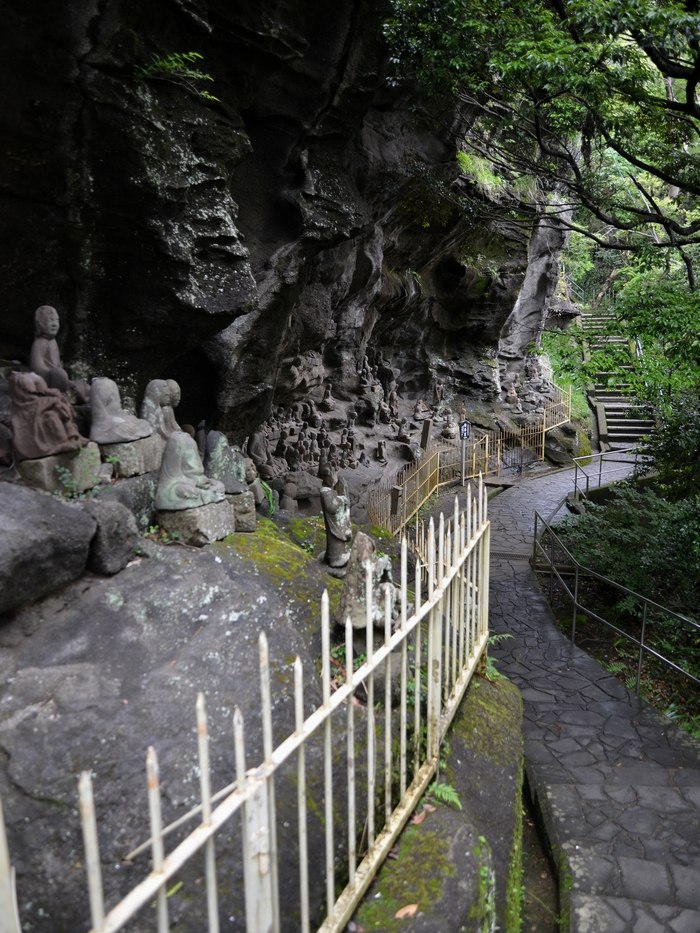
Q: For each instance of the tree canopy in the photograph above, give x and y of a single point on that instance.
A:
(595, 99)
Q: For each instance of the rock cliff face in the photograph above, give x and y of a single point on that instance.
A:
(253, 245)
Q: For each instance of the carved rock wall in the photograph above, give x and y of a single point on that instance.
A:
(252, 246)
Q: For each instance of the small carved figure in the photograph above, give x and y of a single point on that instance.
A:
(259, 453)
(44, 358)
(42, 419)
(404, 433)
(182, 483)
(288, 499)
(393, 404)
(336, 516)
(327, 402)
(451, 429)
(314, 415)
(381, 452)
(421, 411)
(110, 423)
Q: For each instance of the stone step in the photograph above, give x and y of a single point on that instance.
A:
(629, 423)
(590, 913)
(662, 880)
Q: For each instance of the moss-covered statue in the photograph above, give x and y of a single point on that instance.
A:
(182, 483)
(336, 516)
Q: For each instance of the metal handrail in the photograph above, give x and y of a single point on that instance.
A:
(584, 478)
(579, 570)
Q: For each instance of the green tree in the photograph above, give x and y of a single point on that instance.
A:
(596, 99)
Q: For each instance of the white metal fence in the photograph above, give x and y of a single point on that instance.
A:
(378, 729)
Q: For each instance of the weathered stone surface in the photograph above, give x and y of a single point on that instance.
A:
(67, 474)
(462, 867)
(200, 526)
(243, 504)
(137, 493)
(282, 233)
(117, 537)
(561, 444)
(307, 485)
(44, 544)
(134, 458)
(113, 666)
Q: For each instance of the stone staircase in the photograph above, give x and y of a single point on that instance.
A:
(621, 423)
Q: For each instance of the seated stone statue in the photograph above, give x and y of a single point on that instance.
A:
(336, 516)
(159, 399)
(259, 452)
(42, 419)
(110, 424)
(225, 463)
(44, 358)
(182, 483)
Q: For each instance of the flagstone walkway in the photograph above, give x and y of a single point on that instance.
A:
(618, 785)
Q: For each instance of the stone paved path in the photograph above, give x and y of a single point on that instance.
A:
(618, 785)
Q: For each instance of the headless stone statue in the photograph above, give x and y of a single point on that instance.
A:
(42, 419)
(44, 358)
(336, 516)
(182, 483)
(353, 600)
(157, 407)
(110, 423)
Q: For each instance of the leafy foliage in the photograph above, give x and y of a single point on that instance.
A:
(647, 543)
(179, 67)
(445, 793)
(597, 99)
(675, 446)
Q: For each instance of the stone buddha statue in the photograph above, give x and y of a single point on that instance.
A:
(42, 419)
(182, 483)
(159, 399)
(110, 423)
(44, 358)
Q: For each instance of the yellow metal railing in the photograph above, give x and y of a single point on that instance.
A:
(393, 504)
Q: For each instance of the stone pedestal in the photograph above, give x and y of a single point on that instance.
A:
(200, 526)
(66, 474)
(133, 458)
(244, 508)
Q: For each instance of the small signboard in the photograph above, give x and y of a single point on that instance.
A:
(465, 430)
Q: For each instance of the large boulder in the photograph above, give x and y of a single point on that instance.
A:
(110, 666)
(117, 538)
(44, 545)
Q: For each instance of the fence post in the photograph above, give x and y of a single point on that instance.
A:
(9, 921)
(641, 648)
(258, 879)
(434, 655)
(573, 621)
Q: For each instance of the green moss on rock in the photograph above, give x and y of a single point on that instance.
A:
(424, 866)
